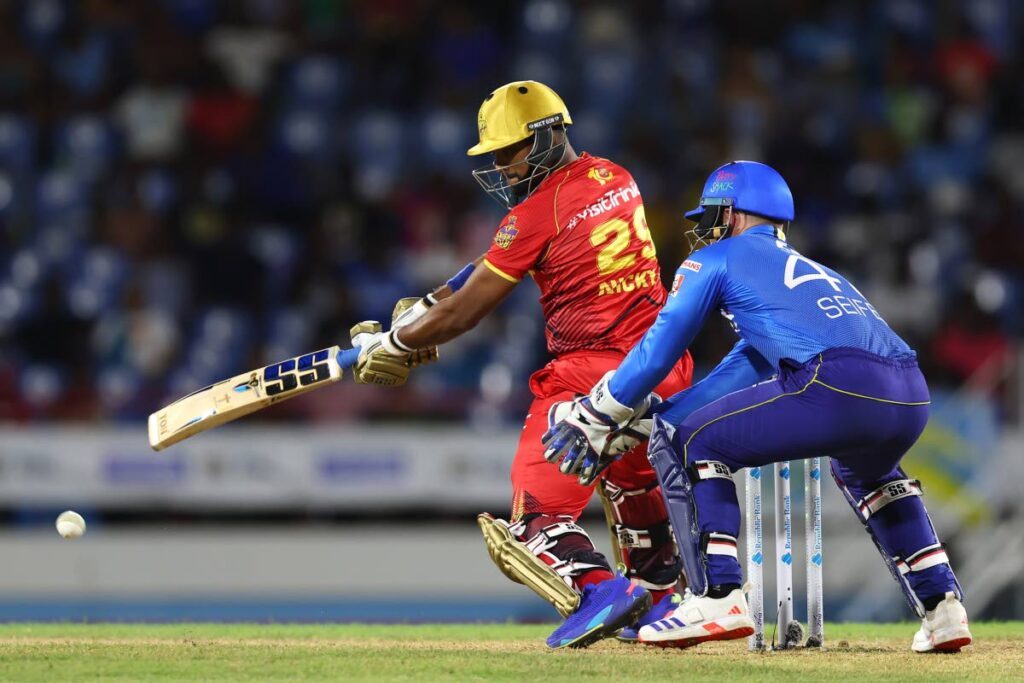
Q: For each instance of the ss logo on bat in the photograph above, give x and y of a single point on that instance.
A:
(289, 374)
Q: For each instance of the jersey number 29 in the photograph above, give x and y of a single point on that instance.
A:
(616, 233)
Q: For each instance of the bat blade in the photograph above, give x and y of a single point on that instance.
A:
(233, 398)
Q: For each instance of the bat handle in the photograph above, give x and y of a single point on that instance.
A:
(348, 357)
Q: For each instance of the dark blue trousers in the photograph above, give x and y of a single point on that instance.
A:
(861, 410)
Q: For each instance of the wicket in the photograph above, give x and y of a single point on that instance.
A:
(788, 630)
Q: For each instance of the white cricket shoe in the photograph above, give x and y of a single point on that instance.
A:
(700, 619)
(944, 629)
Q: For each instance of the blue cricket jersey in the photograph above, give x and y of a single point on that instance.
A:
(782, 304)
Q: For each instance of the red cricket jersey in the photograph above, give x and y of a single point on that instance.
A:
(584, 238)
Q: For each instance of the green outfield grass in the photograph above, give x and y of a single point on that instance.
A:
(244, 652)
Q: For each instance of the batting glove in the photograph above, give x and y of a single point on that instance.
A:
(380, 360)
(408, 310)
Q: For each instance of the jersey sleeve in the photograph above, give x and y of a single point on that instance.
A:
(696, 291)
(742, 367)
(518, 244)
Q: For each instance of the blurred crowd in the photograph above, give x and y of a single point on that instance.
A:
(192, 188)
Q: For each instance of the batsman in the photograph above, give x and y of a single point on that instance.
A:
(576, 224)
(816, 371)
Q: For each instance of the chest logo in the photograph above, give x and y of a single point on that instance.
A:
(600, 175)
(676, 284)
(691, 265)
(506, 233)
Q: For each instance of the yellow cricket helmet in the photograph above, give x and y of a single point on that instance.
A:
(514, 112)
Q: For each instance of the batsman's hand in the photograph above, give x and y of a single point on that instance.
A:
(406, 311)
(379, 361)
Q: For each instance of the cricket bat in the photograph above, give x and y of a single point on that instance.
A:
(233, 398)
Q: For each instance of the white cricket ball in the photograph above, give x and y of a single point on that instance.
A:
(70, 524)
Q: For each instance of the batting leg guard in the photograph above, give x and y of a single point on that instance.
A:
(677, 483)
(546, 553)
(523, 566)
(646, 550)
(901, 567)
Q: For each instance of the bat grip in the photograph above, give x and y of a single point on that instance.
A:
(348, 357)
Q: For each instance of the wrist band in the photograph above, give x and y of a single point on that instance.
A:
(459, 279)
(602, 400)
(391, 339)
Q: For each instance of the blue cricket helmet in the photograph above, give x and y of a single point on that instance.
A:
(748, 186)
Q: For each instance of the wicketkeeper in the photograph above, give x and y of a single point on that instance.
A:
(576, 224)
(816, 371)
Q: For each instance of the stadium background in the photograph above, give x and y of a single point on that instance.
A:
(191, 188)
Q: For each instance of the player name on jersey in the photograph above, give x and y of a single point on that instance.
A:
(629, 283)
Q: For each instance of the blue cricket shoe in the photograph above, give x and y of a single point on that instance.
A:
(631, 634)
(604, 608)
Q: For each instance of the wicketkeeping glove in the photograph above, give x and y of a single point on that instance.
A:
(583, 442)
(620, 442)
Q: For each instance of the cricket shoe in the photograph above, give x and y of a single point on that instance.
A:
(604, 609)
(700, 619)
(944, 629)
(631, 634)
